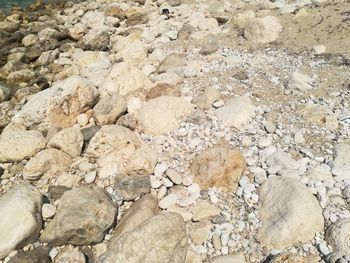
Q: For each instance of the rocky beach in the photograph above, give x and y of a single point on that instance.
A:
(175, 131)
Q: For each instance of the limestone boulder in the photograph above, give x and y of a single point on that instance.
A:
(109, 109)
(237, 112)
(19, 145)
(162, 238)
(48, 162)
(83, 217)
(263, 29)
(162, 114)
(218, 167)
(69, 140)
(111, 138)
(58, 105)
(20, 220)
(337, 235)
(289, 213)
(125, 79)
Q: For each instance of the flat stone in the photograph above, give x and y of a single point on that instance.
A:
(131, 187)
(204, 210)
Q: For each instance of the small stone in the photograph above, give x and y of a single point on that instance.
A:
(168, 201)
(90, 177)
(48, 211)
(270, 127)
(319, 49)
(82, 119)
(186, 215)
(174, 176)
(199, 232)
(203, 210)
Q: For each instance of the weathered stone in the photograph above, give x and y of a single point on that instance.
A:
(69, 140)
(124, 79)
(70, 257)
(299, 81)
(162, 238)
(199, 232)
(237, 112)
(203, 210)
(289, 257)
(18, 145)
(131, 187)
(37, 255)
(218, 167)
(76, 226)
(170, 63)
(206, 98)
(109, 109)
(136, 215)
(142, 161)
(163, 90)
(58, 105)
(48, 162)
(236, 258)
(162, 114)
(20, 221)
(263, 29)
(289, 213)
(111, 138)
(337, 235)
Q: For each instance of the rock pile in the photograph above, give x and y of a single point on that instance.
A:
(180, 131)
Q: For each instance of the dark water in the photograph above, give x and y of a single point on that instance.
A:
(5, 5)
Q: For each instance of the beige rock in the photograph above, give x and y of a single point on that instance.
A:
(241, 19)
(109, 109)
(70, 257)
(162, 114)
(58, 105)
(124, 79)
(289, 213)
(199, 232)
(69, 140)
(203, 210)
(236, 258)
(19, 145)
(193, 257)
(321, 115)
(162, 238)
(219, 167)
(20, 220)
(111, 138)
(76, 226)
(237, 112)
(163, 89)
(263, 29)
(142, 210)
(337, 235)
(131, 49)
(68, 180)
(291, 258)
(142, 161)
(172, 62)
(186, 215)
(30, 40)
(48, 162)
(206, 98)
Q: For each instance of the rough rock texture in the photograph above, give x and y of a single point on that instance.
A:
(162, 114)
(111, 138)
(109, 109)
(37, 255)
(263, 29)
(237, 112)
(69, 140)
(160, 239)
(289, 213)
(219, 167)
(58, 105)
(137, 214)
(290, 258)
(124, 79)
(131, 187)
(20, 221)
(337, 235)
(18, 145)
(77, 226)
(48, 162)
